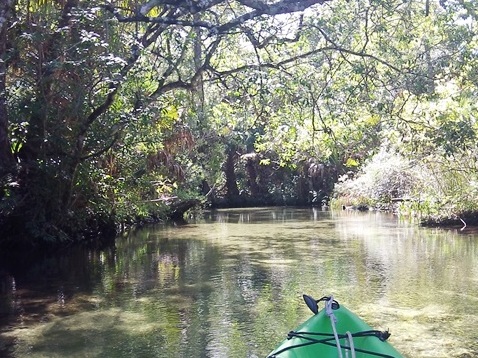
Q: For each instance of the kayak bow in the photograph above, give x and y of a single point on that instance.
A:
(334, 332)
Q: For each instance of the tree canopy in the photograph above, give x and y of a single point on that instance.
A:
(111, 112)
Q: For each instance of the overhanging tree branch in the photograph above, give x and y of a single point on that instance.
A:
(164, 87)
(186, 8)
(302, 56)
(361, 53)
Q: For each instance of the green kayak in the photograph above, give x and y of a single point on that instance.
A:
(334, 332)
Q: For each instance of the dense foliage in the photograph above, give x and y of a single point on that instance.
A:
(118, 112)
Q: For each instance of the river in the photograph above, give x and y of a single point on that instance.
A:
(230, 284)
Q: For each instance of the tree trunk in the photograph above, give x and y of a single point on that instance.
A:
(178, 209)
(231, 180)
(302, 190)
(6, 156)
(198, 60)
(252, 174)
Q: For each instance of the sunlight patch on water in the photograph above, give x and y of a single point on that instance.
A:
(429, 331)
(277, 262)
(88, 334)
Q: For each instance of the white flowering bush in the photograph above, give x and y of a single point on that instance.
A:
(386, 177)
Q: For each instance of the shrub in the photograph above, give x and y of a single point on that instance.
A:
(386, 177)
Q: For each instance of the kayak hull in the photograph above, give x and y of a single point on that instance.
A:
(315, 338)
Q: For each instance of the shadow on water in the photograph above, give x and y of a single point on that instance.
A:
(97, 302)
(34, 286)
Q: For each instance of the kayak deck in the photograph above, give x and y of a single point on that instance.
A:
(335, 332)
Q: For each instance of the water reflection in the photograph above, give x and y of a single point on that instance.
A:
(230, 285)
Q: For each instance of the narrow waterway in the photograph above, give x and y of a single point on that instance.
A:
(230, 284)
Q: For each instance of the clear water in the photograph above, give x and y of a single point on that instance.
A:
(231, 284)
